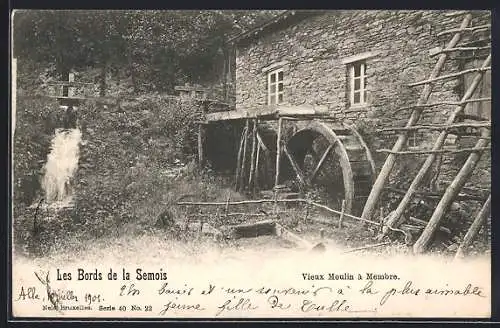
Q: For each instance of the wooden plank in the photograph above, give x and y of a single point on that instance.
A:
(227, 116)
(266, 227)
(271, 112)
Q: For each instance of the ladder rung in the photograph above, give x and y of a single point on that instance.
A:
(450, 76)
(467, 29)
(457, 13)
(441, 151)
(438, 127)
(458, 49)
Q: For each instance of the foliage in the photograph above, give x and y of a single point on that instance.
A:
(157, 48)
(127, 152)
(36, 119)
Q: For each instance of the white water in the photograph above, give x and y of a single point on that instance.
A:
(61, 165)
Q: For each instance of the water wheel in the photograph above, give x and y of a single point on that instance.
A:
(330, 160)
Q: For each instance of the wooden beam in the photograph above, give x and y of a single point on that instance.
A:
(423, 222)
(252, 156)
(201, 137)
(460, 49)
(278, 153)
(438, 144)
(465, 29)
(266, 227)
(386, 169)
(443, 103)
(367, 151)
(320, 163)
(434, 195)
(441, 151)
(239, 159)
(296, 168)
(70, 84)
(256, 174)
(244, 158)
(450, 76)
(474, 228)
(438, 127)
(449, 196)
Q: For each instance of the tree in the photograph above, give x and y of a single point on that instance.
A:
(158, 49)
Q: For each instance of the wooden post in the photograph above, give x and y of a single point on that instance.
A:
(474, 228)
(238, 161)
(278, 153)
(267, 160)
(341, 219)
(201, 137)
(244, 158)
(256, 172)
(252, 156)
(227, 206)
(385, 171)
(448, 197)
(382, 216)
(395, 219)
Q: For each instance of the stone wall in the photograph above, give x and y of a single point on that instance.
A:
(312, 53)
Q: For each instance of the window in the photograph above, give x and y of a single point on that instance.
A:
(357, 76)
(275, 87)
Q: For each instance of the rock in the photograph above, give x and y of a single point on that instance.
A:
(452, 248)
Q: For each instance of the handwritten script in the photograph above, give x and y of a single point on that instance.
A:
(111, 293)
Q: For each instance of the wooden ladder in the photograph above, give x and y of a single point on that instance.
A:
(396, 217)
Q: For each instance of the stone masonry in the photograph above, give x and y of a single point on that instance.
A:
(395, 46)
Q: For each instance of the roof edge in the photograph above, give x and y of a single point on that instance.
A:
(259, 29)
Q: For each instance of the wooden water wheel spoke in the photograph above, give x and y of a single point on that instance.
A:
(332, 160)
(320, 163)
(300, 175)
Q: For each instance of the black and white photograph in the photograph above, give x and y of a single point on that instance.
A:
(250, 164)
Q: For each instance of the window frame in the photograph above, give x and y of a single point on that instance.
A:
(362, 84)
(273, 90)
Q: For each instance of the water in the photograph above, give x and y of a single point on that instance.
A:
(62, 163)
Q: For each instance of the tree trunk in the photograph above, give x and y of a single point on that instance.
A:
(449, 196)
(474, 228)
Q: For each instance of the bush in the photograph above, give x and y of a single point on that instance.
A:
(126, 158)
